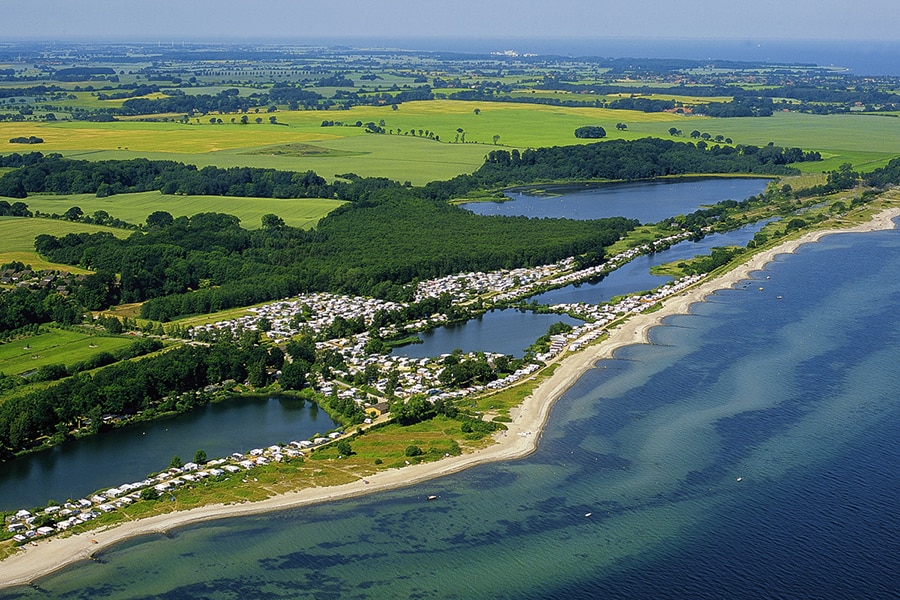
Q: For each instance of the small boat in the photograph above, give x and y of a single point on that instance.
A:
(588, 514)
(430, 498)
(740, 479)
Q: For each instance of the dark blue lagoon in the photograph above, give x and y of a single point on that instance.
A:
(80, 467)
(646, 201)
(503, 331)
(750, 451)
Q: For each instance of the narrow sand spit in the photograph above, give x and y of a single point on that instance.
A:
(519, 440)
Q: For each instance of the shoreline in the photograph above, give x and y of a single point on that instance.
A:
(520, 439)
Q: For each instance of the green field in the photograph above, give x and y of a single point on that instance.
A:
(17, 239)
(864, 140)
(57, 346)
(134, 208)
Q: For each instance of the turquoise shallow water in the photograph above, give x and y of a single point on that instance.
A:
(797, 396)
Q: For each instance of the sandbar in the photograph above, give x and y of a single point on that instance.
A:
(520, 439)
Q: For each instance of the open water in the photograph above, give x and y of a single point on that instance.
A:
(792, 388)
(80, 467)
(646, 201)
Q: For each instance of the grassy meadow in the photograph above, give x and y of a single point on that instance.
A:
(57, 346)
(866, 141)
(134, 208)
(17, 235)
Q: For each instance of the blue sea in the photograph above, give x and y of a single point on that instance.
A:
(750, 451)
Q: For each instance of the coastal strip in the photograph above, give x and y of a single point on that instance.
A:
(520, 439)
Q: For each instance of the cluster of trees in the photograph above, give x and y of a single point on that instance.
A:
(459, 373)
(132, 90)
(648, 105)
(77, 74)
(885, 176)
(705, 264)
(618, 159)
(35, 90)
(20, 307)
(177, 101)
(293, 96)
(139, 347)
(741, 106)
(590, 132)
(17, 160)
(347, 410)
(56, 175)
(418, 408)
(26, 140)
(16, 209)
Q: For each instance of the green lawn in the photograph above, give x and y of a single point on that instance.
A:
(134, 208)
(55, 347)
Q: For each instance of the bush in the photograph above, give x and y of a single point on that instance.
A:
(414, 451)
(590, 132)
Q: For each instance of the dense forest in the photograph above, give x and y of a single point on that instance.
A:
(208, 262)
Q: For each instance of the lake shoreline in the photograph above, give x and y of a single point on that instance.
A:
(521, 438)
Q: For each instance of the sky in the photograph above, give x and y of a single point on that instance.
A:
(298, 20)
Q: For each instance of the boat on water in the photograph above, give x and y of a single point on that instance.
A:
(430, 498)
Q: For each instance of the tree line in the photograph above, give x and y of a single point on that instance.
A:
(54, 174)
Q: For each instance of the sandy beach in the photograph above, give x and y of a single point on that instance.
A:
(529, 418)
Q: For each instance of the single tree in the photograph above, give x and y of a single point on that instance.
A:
(270, 222)
(343, 447)
(159, 219)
